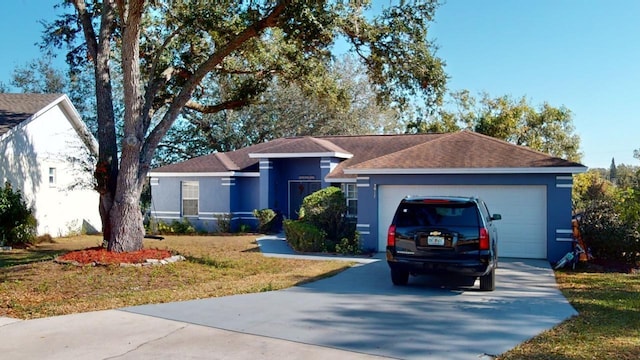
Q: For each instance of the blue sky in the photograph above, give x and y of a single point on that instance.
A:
(583, 54)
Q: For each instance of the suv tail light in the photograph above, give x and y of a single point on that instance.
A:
(391, 236)
(484, 239)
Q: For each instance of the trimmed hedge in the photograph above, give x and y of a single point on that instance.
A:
(269, 221)
(326, 209)
(303, 236)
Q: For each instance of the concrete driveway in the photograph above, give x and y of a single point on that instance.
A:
(357, 314)
(360, 311)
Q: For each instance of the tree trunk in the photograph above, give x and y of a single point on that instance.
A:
(106, 202)
(127, 227)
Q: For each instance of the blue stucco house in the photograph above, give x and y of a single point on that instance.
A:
(530, 189)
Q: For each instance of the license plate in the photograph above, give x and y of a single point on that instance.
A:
(435, 240)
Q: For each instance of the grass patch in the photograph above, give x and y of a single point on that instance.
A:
(26, 256)
(32, 286)
(607, 327)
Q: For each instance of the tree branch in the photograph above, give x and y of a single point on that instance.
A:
(87, 28)
(212, 109)
(157, 82)
(209, 65)
(258, 73)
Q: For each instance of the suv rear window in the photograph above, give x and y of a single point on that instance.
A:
(449, 214)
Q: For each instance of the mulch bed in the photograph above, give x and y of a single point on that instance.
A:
(101, 256)
(604, 266)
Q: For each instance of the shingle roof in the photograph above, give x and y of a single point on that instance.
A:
(461, 150)
(303, 145)
(238, 160)
(458, 150)
(16, 108)
(367, 147)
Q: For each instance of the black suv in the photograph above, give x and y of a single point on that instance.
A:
(443, 234)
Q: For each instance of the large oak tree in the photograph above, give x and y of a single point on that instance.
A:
(165, 49)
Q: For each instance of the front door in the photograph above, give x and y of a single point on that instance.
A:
(298, 190)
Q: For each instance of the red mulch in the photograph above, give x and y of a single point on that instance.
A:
(100, 255)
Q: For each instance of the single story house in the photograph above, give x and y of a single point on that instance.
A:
(43, 142)
(530, 189)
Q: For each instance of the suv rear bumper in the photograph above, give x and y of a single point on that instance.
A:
(477, 267)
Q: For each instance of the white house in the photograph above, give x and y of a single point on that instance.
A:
(42, 140)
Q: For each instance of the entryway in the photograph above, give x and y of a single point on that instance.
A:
(298, 190)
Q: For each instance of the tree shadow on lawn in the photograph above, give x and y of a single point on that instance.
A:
(26, 256)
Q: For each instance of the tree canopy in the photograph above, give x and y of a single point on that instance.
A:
(167, 49)
(39, 76)
(283, 110)
(544, 128)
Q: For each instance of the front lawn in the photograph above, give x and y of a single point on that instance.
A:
(33, 286)
(608, 324)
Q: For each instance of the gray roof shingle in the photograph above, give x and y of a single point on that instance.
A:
(458, 150)
(16, 108)
(464, 149)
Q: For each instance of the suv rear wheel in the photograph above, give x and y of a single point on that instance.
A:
(488, 282)
(399, 277)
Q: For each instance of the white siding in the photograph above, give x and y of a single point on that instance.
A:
(28, 152)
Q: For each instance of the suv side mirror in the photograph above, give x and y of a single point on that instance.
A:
(496, 217)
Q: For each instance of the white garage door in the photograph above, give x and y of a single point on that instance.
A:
(522, 232)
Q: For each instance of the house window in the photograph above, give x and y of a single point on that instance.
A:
(350, 191)
(190, 196)
(52, 177)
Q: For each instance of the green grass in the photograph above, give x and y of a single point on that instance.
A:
(33, 286)
(25, 256)
(608, 324)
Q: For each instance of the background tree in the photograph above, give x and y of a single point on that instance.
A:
(39, 76)
(589, 187)
(610, 221)
(544, 128)
(166, 49)
(283, 110)
(612, 171)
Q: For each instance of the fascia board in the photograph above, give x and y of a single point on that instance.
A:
(203, 174)
(299, 155)
(339, 180)
(429, 171)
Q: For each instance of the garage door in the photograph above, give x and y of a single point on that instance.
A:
(522, 231)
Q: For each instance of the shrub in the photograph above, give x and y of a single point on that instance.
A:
(326, 209)
(349, 246)
(73, 228)
(163, 228)
(244, 228)
(46, 238)
(268, 220)
(224, 222)
(17, 224)
(608, 235)
(183, 227)
(303, 236)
